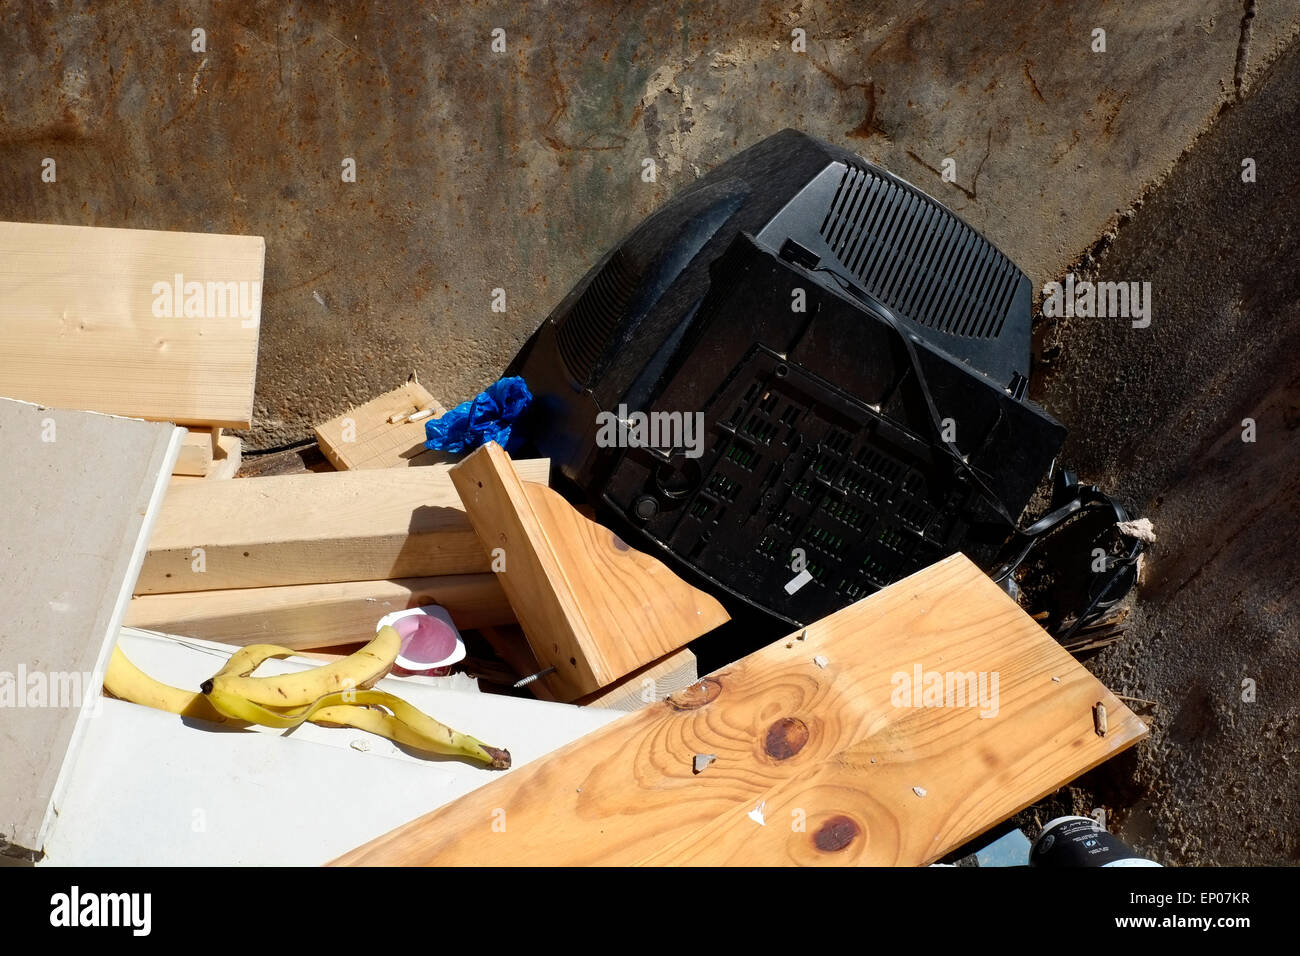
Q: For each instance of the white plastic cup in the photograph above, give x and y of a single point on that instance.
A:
(430, 641)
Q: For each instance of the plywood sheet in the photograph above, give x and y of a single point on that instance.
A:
(821, 756)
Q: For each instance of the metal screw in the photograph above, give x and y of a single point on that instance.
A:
(524, 682)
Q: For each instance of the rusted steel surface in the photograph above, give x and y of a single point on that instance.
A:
(478, 170)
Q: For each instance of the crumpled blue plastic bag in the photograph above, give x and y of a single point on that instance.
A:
(488, 416)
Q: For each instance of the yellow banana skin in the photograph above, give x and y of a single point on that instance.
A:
(410, 726)
(249, 657)
(406, 724)
(446, 741)
(127, 682)
(356, 671)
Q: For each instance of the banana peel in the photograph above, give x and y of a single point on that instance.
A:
(405, 724)
(358, 670)
(125, 681)
(222, 703)
(250, 657)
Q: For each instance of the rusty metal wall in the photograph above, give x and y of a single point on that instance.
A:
(478, 169)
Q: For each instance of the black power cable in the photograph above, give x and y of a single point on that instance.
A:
(936, 419)
(1085, 496)
(288, 446)
(1116, 571)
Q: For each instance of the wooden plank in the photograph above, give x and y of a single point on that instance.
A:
(80, 492)
(313, 529)
(89, 319)
(366, 436)
(842, 766)
(317, 615)
(230, 452)
(592, 607)
(291, 461)
(198, 448)
(655, 682)
(224, 465)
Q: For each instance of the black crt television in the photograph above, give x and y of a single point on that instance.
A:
(857, 359)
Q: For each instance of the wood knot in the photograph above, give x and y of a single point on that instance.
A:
(696, 696)
(785, 738)
(836, 834)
